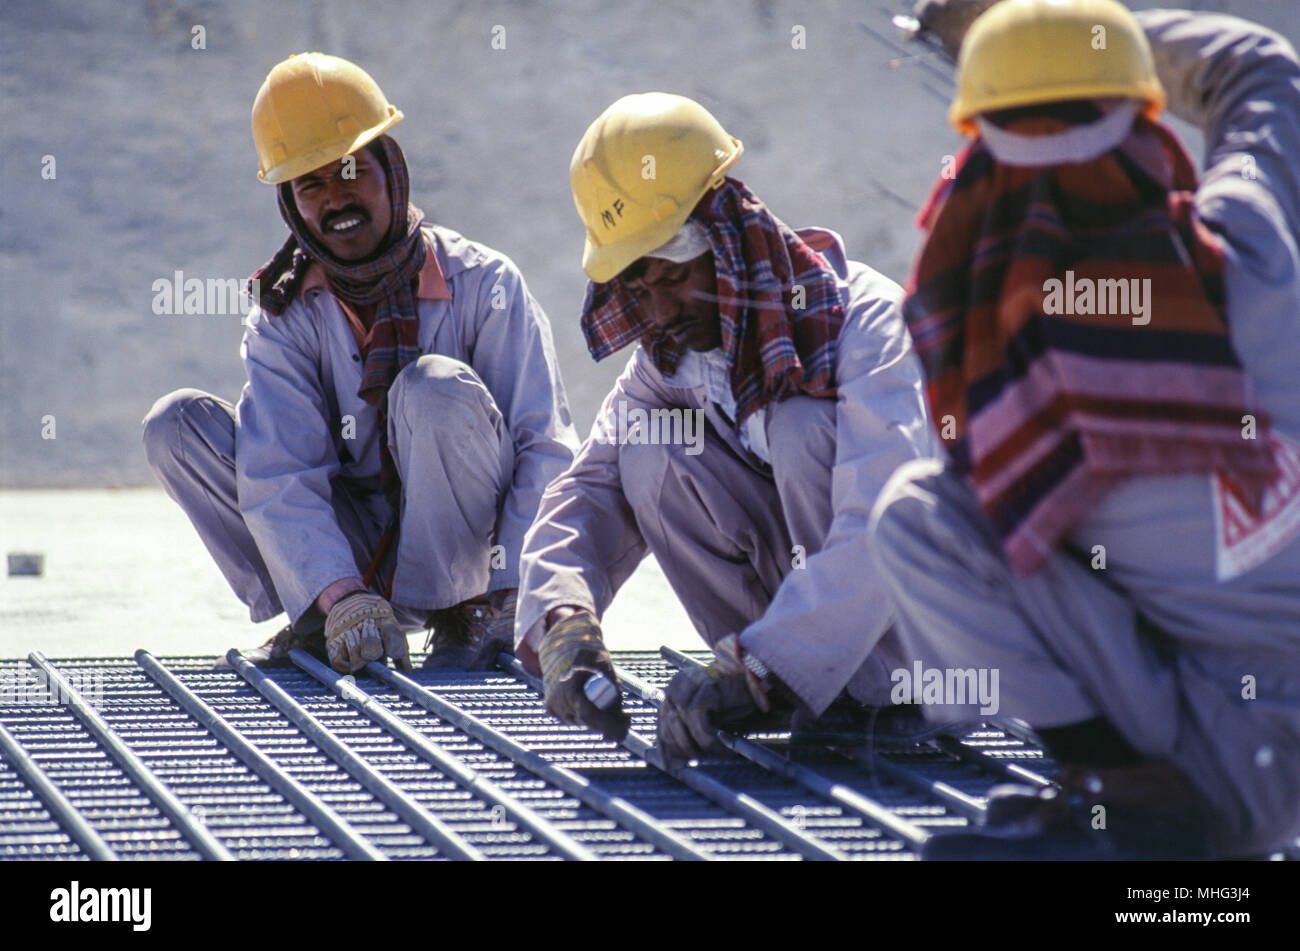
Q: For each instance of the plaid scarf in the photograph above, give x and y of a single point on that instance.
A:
(1051, 411)
(778, 305)
(387, 281)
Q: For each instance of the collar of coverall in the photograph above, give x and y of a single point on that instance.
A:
(432, 285)
(1081, 143)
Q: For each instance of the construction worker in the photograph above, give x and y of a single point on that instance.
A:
(1111, 344)
(403, 410)
(771, 393)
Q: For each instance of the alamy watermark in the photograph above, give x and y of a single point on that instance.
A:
(26, 687)
(205, 297)
(657, 426)
(1085, 296)
(77, 904)
(947, 686)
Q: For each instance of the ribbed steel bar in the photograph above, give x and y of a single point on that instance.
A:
(198, 835)
(946, 793)
(875, 761)
(1018, 728)
(1012, 771)
(614, 807)
(943, 743)
(451, 765)
(321, 814)
(738, 803)
(60, 807)
(415, 815)
(838, 793)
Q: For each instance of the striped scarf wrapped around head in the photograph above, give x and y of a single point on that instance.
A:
(1052, 410)
(387, 281)
(774, 347)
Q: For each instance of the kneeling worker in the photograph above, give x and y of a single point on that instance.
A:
(771, 393)
(1117, 528)
(403, 410)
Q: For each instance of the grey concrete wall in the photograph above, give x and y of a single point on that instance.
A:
(155, 168)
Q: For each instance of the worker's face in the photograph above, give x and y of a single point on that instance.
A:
(345, 205)
(680, 299)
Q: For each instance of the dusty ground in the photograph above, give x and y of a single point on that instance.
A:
(124, 569)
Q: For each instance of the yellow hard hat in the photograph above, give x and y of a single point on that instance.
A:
(314, 109)
(1024, 52)
(639, 171)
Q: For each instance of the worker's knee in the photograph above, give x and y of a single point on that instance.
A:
(643, 467)
(440, 389)
(181, 415)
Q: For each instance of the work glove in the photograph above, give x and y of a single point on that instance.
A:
(701, 700)
(361, 628)
(948, 20)
(572, 651)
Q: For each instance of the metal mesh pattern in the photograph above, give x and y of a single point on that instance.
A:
(27, 830)
(96, 786)
(254, 819)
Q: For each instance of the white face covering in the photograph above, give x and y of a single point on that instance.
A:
(1082, 143)
(691, 240)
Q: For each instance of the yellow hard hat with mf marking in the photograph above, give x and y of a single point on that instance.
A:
(638, 173)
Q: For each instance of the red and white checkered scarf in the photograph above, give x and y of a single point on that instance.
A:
(778, 305)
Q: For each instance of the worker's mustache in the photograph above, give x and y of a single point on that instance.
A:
(352, 211)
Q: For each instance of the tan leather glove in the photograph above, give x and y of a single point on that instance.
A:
(361, 628)
(701, 700)
(571, 652)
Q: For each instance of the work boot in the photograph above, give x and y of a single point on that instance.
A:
(276, 649)
(500, 635)
(469, 635)
(1144, 812)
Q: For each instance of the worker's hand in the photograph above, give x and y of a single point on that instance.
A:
(572, 651)
(701, 700)
(361, 628)
(948, 20)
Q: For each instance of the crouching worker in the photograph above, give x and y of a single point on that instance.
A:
(1117, 527)
(772, 392)
(403, 410)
